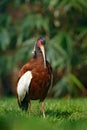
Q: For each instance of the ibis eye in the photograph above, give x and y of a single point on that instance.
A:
(42, 39)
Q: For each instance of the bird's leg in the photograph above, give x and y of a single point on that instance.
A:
(43, 112)
(29, 106)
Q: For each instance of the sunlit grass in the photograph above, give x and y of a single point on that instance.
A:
(61, 114)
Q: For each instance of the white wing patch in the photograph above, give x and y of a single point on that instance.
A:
(23, 85)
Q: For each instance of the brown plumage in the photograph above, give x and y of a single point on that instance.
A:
(40, 73)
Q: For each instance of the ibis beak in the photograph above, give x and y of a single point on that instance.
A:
(43, 53)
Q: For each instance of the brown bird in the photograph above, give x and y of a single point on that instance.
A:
(35, 78)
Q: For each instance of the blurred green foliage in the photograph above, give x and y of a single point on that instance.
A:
(64, 25)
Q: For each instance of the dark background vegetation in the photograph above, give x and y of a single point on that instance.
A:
(64, 25)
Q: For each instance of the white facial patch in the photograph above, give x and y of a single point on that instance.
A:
(23, 85)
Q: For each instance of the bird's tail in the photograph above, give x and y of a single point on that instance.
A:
(23, 105)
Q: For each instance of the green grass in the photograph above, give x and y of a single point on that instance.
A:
(61, 114)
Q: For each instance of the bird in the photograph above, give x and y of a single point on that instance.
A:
(35, 78)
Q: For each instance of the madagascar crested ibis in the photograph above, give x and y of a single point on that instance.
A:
(35, 78)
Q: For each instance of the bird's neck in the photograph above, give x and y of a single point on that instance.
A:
(38, 55)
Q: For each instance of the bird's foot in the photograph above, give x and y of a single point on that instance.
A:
(43, 112)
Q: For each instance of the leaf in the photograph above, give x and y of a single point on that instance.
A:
(83, 32)
(62, 87)
(76, 81)
(53, 3)
(83, 3)
(4, 39)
